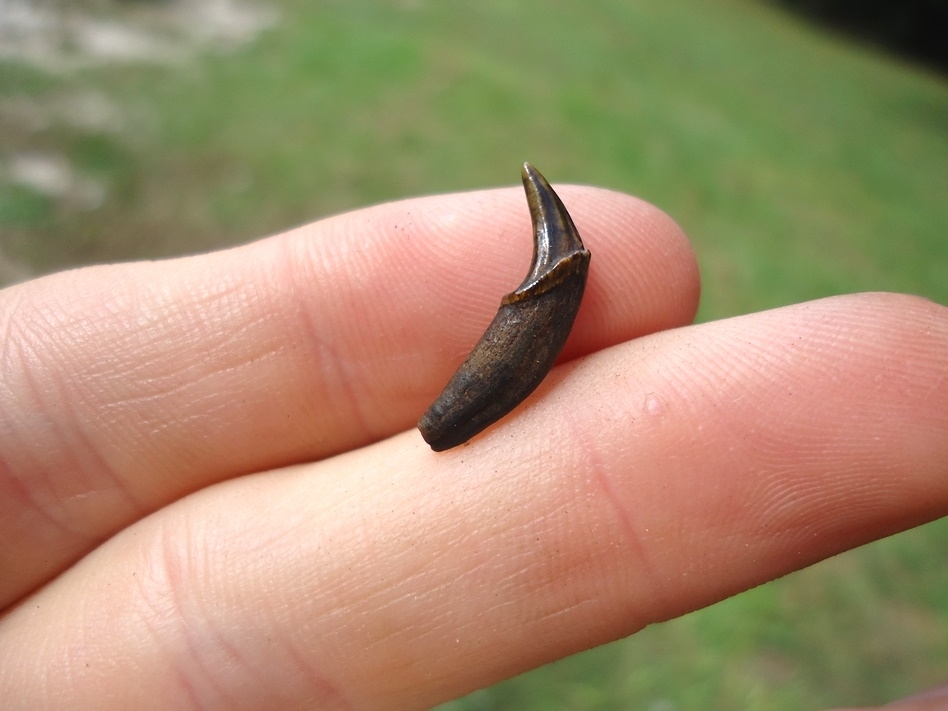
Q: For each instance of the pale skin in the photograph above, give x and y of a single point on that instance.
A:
(212, 494)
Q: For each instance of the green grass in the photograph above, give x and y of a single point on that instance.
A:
(801, 166)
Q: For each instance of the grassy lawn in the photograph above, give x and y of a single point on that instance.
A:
(800, 165)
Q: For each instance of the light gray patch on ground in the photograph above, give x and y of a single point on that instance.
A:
(51, 175)
(61, 36)
(83, 109)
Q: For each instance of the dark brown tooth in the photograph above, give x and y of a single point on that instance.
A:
(523, 341)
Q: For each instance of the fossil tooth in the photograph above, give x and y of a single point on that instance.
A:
(523, 341)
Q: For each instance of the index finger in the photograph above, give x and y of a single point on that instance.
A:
(123, 388)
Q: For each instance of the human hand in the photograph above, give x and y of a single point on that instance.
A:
(212, 494)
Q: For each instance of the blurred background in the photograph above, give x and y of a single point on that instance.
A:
(803, 146)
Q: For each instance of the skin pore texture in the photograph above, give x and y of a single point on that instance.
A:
(212, 494)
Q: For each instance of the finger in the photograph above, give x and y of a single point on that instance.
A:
(644, 481)
(123, 388)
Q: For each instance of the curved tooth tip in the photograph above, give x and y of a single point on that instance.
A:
(533, 180)
(540, 196)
